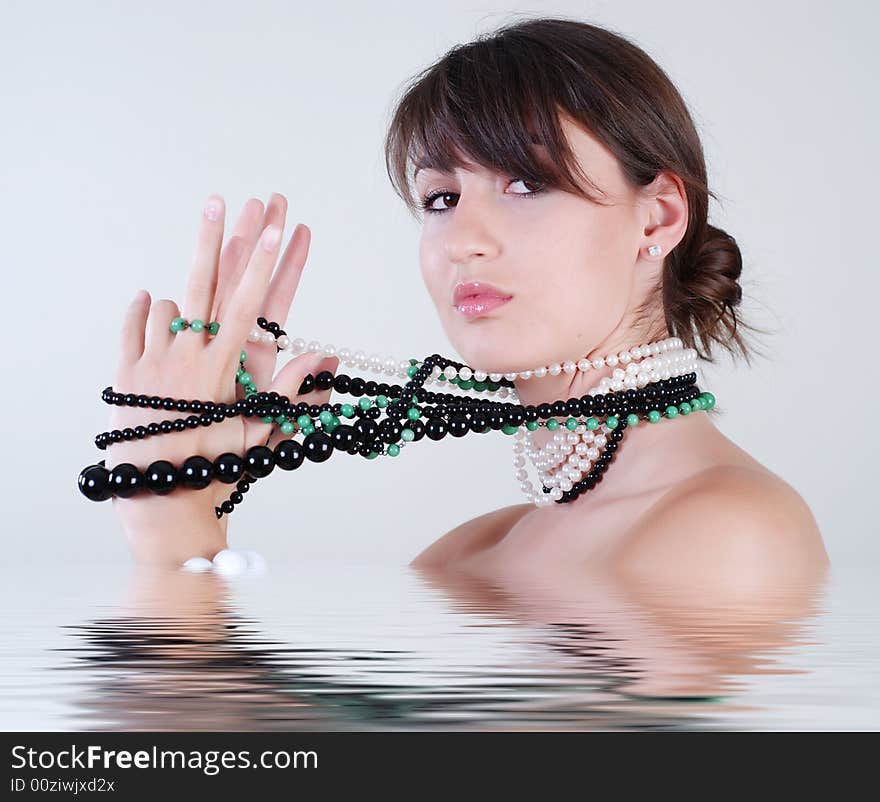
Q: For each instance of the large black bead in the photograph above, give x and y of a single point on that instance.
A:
(367, 429)
(436, 428)
(417, 428)
(228, 468)
(126, 480)
(196, 473)
(497, 419)
(479, 423)
(341, 383)
(318, 446)
(94, 483)
(160, 477)
(259, 461)
(289, 455)
(389, 430)
(344, 437)
(459, 425)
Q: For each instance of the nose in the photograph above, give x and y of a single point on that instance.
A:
(472, 231)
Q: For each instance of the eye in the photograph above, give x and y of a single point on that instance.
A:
(427, 203)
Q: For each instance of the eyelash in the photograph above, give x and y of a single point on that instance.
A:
(426, 202)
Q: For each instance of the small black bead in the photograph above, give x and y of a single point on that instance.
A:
(324, 380)
(341, 383)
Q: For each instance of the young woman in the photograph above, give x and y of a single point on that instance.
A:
(562, 190)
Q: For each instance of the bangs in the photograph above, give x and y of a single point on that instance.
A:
(495, 103)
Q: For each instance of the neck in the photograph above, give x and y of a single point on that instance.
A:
(643, 460)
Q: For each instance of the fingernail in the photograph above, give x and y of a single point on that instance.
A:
(212, 209)
(141, 297)
(270, 237)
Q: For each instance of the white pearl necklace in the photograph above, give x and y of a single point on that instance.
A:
(570, 455)
(397, 368)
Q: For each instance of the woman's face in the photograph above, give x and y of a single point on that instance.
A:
(569, 264)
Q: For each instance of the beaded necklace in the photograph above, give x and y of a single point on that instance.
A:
(659, 381)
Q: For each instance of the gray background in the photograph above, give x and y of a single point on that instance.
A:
(121, 118)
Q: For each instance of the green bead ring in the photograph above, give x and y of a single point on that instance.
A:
(180, 323)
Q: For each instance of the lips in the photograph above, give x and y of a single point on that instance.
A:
(476, 305)
(474, 291)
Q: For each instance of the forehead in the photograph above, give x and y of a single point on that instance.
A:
(588, 150)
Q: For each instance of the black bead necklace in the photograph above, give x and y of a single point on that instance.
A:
(405, 407)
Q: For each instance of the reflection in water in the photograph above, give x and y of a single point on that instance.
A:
(180, 656)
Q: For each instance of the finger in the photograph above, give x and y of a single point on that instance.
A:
(284, 283)
(314, 397)
(287, 383)
(133, 329)
(234, 256)
(159, 334)
(244, 307)
(199, 296)
(244, 236)
(263, 359)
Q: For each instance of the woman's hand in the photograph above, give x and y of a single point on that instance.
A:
(233, 287)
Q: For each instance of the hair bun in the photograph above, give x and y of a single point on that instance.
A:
(709, 292)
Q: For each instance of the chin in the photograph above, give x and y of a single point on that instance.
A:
(479, 351)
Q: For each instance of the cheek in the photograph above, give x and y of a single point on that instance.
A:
(583, 284)
(432, 268)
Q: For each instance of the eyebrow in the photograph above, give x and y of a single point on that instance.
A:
(428, 166)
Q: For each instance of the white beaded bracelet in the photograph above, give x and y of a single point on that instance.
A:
(228, 562)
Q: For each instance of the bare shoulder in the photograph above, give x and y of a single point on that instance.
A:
(471, 536)
(729, 525)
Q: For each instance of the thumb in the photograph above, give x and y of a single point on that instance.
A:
(288, 382)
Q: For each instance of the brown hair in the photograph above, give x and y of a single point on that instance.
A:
(490, 98)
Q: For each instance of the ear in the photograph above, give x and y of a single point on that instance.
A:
(665, 206)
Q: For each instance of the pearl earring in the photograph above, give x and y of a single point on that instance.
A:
(655, 250)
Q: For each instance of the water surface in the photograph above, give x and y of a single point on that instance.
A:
(339, 646)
